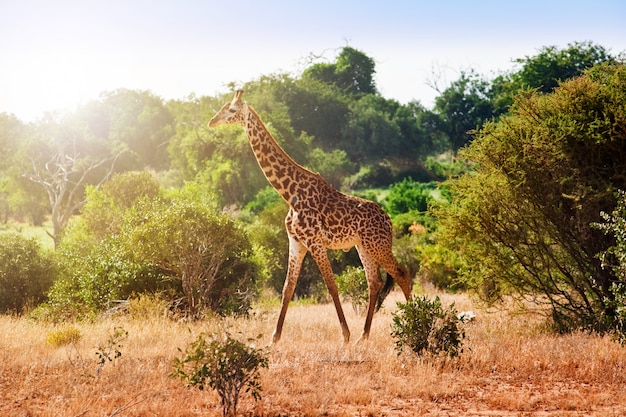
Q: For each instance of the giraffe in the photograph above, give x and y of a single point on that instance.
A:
(319, 218)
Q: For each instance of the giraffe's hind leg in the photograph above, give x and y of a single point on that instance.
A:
(297, 251)
(374, 285)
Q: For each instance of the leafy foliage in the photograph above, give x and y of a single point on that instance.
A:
(408, 195)
(544, 71)
(464, 107)
(112, 349)
(426, 327)
(615, 258)
(353, 72)
(93, 275)
(26, 273)
(227, 366)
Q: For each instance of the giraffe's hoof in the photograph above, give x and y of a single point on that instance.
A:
(362, 339)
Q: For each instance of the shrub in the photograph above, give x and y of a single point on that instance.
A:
(177, 246)
(425, 326)
(26, 273)
(440, 266)
(93, 276)
(227, 366)
(111, 350)
(206, 253)
(149, 306)
(352, 284)
(408, 195)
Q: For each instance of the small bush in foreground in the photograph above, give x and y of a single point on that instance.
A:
(112, 349)
(425, 326)
(228, 366)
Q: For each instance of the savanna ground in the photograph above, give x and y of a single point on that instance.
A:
(510, 367)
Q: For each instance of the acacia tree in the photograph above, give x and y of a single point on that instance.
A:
(542, 176)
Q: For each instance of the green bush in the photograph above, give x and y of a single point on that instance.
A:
(352, 284)
(408, 195)
(26, 273)
(426, 327)
(440, 266)
(227, 366)
(91, 277)
(205, 253)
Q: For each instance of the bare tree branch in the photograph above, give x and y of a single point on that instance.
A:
(64, 180)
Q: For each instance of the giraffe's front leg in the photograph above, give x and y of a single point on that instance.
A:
(297, 251)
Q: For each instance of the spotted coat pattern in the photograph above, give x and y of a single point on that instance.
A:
(320, 217)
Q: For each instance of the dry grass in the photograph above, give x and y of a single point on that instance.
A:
(510, 368)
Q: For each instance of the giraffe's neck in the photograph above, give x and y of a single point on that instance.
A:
(282, 172)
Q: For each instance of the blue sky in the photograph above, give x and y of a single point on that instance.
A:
(57, 54)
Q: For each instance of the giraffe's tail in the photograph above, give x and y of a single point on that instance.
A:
(384, 292)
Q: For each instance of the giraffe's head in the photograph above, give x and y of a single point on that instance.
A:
(229, 113)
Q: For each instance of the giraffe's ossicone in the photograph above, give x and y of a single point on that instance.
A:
(319, 218)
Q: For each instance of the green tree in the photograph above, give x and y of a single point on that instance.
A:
(333, 166)
(552, 65)
(19, 197)
(542, 176)
(352, 72)
(464, 107)
(545, 70)
(105, 209)
(317, 109)
(136, 120)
